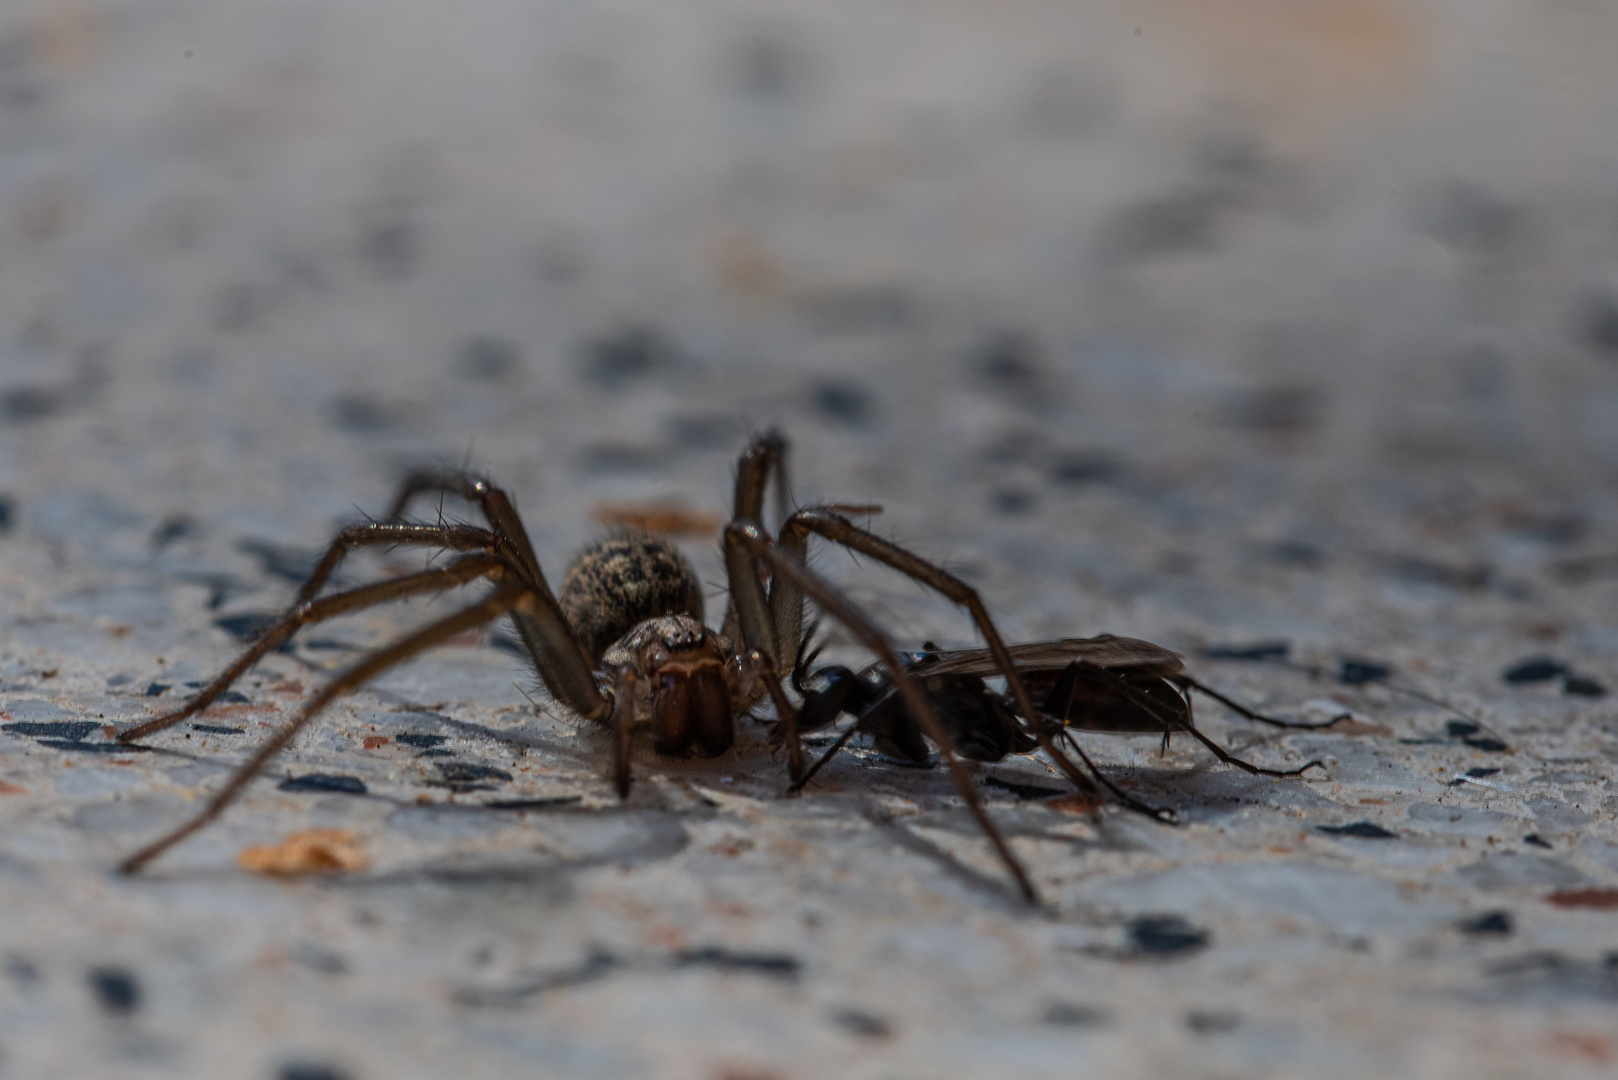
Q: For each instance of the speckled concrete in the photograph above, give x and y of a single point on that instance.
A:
(1217, 324)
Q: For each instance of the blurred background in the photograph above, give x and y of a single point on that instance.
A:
(1139, 282)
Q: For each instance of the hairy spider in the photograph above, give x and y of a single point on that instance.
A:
(622, 644)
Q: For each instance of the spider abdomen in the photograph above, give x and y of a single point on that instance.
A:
(618, 583)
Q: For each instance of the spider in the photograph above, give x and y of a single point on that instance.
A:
(622, 644)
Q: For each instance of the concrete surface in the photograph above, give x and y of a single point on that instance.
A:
(1211, 323)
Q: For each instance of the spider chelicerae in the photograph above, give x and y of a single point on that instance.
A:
(622, 644)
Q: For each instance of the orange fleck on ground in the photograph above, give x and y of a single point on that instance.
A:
(1589, 1045)
(663, 519)
(311, 851)
(7, 788)
(1073, 804)
(1601, 899)
(1350, 726)
(290, 686)
(373, 742)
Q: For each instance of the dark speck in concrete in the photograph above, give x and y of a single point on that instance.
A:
(392, 246)
(324, 782)
(1014, 502)
(1169, 225)
(215, 729)
(1481, 771)
(1293, 553)
(177, 527)
(1467, 216)
(156, 689)
(1067, 1014)
(1258, 650)
(533, 804)
(489, 358)
(1009, 361)
(361, 415)
(69, 730)
(509, 644)
(1165, 935)
(774, 965)
(1534, 669)
(1076, 468)
(1213, 1022)
(862, 1024)
(8, 513)
(79, 746)
(844, 402)
(864, 309)
(248, 626)
(461, 776)
(21, 970)
(1423, 571)
(1365, 830)
(1277, 410)
(419, 741)
(311, 1070)
(1598, 323)
(628, 355)
(1490, 922)
(1357, 672)
(116, 990)
(1533, 840)
(1583, 686)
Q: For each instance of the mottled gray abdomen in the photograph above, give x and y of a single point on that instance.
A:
(618, 583)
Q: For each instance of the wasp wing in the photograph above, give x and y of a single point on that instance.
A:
(1107, 651)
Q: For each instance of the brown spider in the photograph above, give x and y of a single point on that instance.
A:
(623, 645)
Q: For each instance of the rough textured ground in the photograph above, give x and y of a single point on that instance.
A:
(1218, 324)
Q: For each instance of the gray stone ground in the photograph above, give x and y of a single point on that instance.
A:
(1211, 323)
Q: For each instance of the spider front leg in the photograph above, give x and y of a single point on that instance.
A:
(499, 510)
(746, 547)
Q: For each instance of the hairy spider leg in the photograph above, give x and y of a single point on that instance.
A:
(746, 544)
(506, 597)
(1241, 710)
(556, 652)
(498, 508)
(305, 610)
(823, 521)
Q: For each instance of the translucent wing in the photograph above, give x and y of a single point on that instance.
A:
(1107, 651)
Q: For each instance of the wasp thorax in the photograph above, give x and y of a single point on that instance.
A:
(678, 685)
